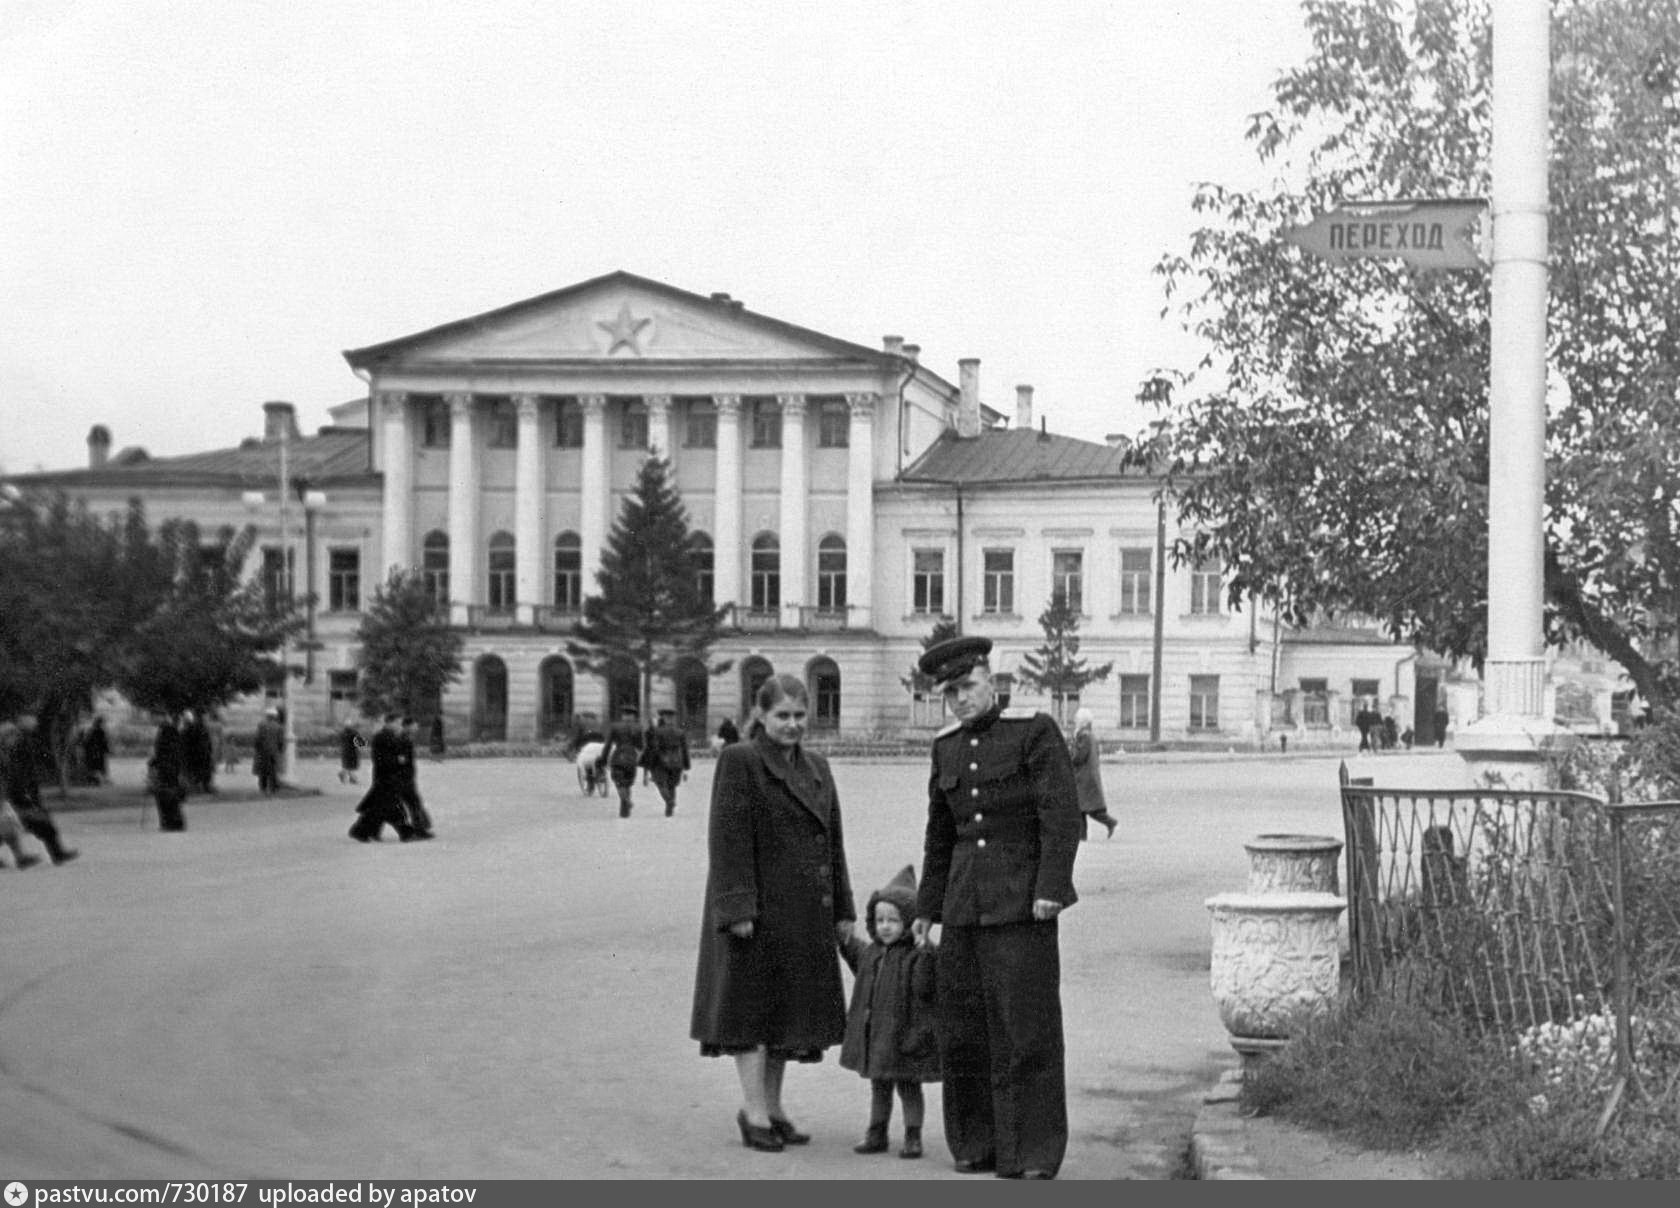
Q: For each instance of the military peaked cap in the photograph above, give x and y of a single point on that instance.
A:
(953, 658)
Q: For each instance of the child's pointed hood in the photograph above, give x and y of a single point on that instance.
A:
(901, 892)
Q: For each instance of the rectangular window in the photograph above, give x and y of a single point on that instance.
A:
(1204, 588)
(1315, 702)
(1204, 702)
(568, 574)
(927, 581)
(568, 424)
(343, 690)
(998, 589)
(504, 424)
(834, 424)
(344, 580)
(1067, 577)
(700, 424)
(434, 423)
(633, 425)
(1136, 570)
(1134, 702)
(276, 584)
(766, 423)
(831, 575)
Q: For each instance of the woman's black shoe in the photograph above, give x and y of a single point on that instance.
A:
(755, 1137)
(788, 1133)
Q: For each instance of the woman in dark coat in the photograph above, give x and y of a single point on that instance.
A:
(1087, 774)
(778, 899)
(164, 776)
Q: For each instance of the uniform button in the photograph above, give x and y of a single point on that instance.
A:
(979, 817)
(822, 870)
(979, 843)
(974, 767)
(827, 900)
(974, 742)
(973, 792)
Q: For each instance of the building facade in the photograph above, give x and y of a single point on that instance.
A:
(847, 498)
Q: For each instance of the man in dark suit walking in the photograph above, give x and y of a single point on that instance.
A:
(666, 758)
(1003, 828)
(384, 802)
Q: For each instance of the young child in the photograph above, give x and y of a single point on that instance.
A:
(890, 1037)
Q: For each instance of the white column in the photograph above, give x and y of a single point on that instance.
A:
(528, 511)
(726, 522)
(659, 424)
(794, 571)
(593, 485)
(860, 511)
(396, 546)
(464, 588)
(1517, 388)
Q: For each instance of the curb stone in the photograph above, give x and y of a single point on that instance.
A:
(1219, 1138)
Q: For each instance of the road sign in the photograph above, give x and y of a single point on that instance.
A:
(1425, 234)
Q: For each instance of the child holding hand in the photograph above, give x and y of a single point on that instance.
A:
(890, 1036)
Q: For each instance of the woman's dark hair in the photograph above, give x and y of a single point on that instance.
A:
(779, 686)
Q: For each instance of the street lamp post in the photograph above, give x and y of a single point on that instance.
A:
(255, 500)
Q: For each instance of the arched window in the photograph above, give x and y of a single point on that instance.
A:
(555, 699)
(824, 679)
(568, 572)
(434, 565)
(701, 554)
(831, 573)
(766, 573)
(502, 572)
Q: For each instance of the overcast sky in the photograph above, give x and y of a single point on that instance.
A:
(203, 204)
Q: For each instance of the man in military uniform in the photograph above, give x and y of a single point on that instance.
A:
(1003, 827)
(622, 756)
(666, 758)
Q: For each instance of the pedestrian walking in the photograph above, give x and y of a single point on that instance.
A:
(1086, 758)
(419, 821)
(767, 986)
(622, 756)
(727, 732)
(166, 774)
(350, 744)
(434, 737)
(1002, 833)
(22, 755)
(383, 804)
(1439, 717)
(11, 835)
(198, 754)
(666, 758)
(267, 747)
(96, 751)
(892, 1037)
(1366, 719)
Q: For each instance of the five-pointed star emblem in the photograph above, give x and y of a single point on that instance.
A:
(624, 330)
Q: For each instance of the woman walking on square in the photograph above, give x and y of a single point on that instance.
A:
(1087, 774)
(778, 901)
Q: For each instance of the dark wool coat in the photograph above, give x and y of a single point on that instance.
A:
(777, 856)
(890, 1029)
(1087, 773)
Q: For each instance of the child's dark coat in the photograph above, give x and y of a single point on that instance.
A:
(890, 1027)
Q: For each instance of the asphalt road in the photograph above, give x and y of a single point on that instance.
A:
(259, 997)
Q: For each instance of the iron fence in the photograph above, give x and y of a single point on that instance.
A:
(1515, 909)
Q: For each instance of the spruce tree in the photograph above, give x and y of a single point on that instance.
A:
(409, 653)
(1055, 667)
(649, 611)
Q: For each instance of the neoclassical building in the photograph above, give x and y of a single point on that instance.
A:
(844, 500)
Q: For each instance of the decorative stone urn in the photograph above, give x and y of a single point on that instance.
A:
(1276, 956)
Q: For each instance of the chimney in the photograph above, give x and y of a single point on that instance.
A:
(968, 402)
(1117, 440)
(721, 297)
(99, 446)
(1023, 406)
(892, 345)
(278, 418)
(912, 351)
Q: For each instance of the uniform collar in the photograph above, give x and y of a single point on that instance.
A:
(984, 721)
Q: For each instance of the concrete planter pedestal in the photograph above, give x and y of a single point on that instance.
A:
(1275, 947)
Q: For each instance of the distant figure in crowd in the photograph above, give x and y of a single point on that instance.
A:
(96, 752)
(11, 835)
(1439, 717)
(267, 748)
(1390, 733)
(198, 754)
(435, 737)
(418, 819)
(892, 1037)
(778, 901)
(1366, 719)
(383, 804)
(727, 732)
(622, 756)
(22, 756)
(1087, 774)
(666, 758)
(350, 744)
(166, 774)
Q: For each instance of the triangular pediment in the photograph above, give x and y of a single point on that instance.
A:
(618, 318)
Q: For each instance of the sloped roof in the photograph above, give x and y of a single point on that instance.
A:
(334, 456)
(374, 353)
(1016, 455)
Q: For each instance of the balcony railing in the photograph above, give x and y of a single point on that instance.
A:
(828, 620)
(753, 620)
(553, 618)
(483, 616)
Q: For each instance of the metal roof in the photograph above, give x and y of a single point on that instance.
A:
(335, 456)
(1017, 455)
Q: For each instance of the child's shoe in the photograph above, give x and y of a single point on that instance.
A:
(874, 1141)
(912, 1143)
